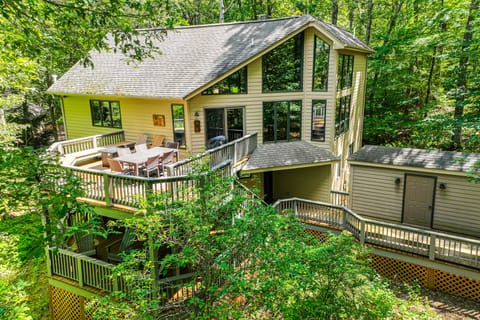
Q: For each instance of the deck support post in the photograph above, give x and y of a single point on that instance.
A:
(48, 261)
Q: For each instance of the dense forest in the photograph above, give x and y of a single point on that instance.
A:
(423, 78)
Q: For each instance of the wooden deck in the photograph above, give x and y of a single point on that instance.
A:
(436, 246)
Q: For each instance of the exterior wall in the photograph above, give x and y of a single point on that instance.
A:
(136, 117)
(456, 208)
(351, 141)
(374, 193)
(253, 100)
(308, 183)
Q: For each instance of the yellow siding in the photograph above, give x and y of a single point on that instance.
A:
(308, 183)
(375, 194)
(456, 209)
(253, 101)
(136, 117)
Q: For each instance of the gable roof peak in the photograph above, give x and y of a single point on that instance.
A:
(191, 58)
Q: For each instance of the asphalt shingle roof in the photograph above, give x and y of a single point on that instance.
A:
(284, 154)
(430, 159)
(191, 58)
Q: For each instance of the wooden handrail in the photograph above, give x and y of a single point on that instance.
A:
(235, 151)
(435, 245)
(86, 143)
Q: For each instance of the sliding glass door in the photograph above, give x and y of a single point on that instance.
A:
(227, 122)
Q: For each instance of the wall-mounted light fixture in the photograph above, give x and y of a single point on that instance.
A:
(397, 180)
(442, 186)
(196, 114)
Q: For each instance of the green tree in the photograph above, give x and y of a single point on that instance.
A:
(249, 262)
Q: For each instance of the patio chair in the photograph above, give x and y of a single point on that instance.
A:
(141, 138)
(157, 141)
(173, 145)
(116, 166)
(117, 247)
(123, 151)
(141, 147)
(166, 159)
(152, 165)
(85, 244)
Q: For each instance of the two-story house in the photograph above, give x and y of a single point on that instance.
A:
(286, 99)
(298, 82)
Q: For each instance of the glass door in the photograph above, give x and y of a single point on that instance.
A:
(227, 122)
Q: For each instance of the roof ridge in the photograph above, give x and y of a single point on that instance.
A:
(209, 25)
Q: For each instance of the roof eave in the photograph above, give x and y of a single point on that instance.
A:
(290, 167)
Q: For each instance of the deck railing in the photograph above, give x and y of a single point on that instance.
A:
(234, 151)
(98, 274)
(87, 143)
(339, 198)
(434, 245)
(130, 191)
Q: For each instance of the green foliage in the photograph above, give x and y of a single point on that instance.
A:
(249, 262)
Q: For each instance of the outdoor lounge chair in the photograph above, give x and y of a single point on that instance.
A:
(85, 244)
(124, 245)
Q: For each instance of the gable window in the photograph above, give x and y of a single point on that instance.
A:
(282, 121)
(345, 72)
(235, 83)
(282, 67)
(319, 110)
(342, 114)
(105, 113)
(320, 64)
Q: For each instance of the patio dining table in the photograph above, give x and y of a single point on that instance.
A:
(137, 159)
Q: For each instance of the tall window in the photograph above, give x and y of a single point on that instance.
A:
(282, 67)
(319, 110)
(320, 64)
(345, 72)
(226, 122)
(105, 113)
(282, 121)
(178, 114)
(342, 114)
(233, 84)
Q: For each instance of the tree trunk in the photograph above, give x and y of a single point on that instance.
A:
(430, 76)
(461, 84)
(334, 11)
(221, 18)
(369, 21)
(391, 25)
(351, 15)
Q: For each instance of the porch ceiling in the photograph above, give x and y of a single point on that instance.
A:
(285, 155)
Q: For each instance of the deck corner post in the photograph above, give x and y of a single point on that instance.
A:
(295, 208)
(48, 261)
(344, 219)
(362, 232)
(115, 283)
(431, 252)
